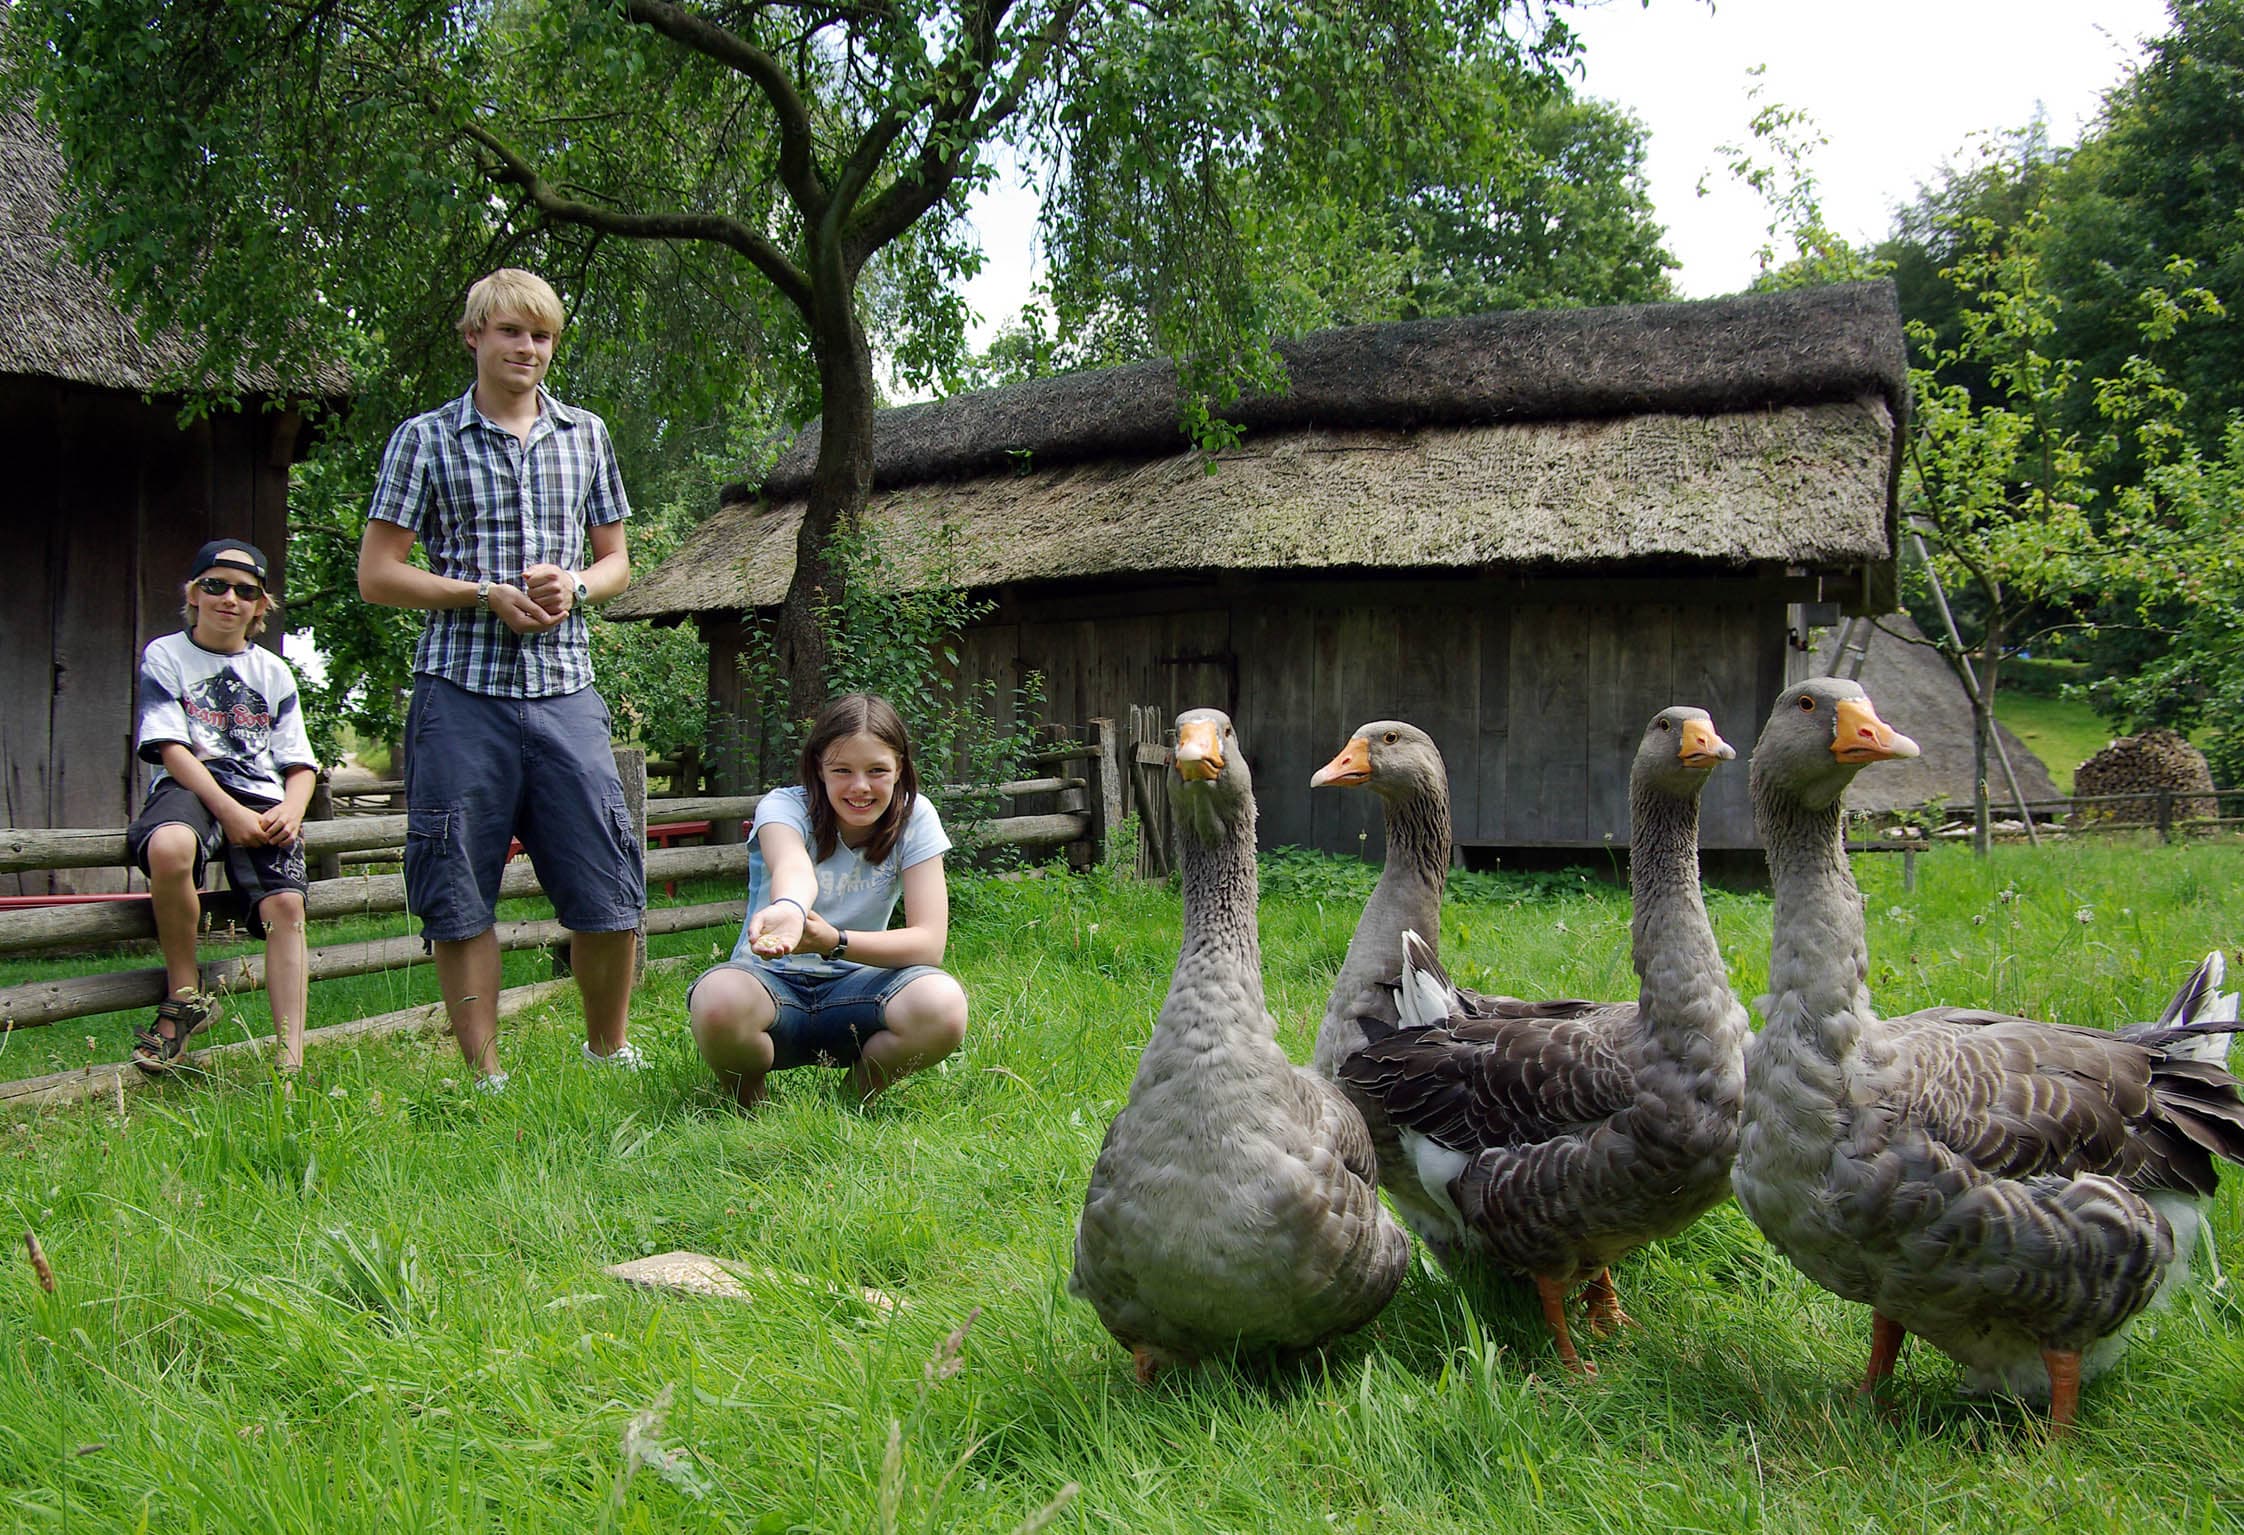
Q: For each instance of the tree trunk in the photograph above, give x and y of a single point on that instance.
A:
(839, 487)
(1982, 731)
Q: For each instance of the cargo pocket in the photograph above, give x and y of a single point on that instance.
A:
(438, 882)
(631, 856)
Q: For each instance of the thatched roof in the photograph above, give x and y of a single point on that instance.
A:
(57, 319)
(1919, 696)
(1731, 430)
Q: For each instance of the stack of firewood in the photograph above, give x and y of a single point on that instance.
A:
(2144, 764)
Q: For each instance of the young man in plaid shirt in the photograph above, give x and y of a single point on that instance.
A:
(517, 499)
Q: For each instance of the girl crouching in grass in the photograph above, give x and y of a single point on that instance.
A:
(818, 976)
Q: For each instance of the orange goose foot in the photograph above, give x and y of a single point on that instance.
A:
(1605, 1314)
(1553, 1294)
(2064, 1388)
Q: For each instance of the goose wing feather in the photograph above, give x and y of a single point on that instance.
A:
(1514, 1079)
(2015, 1098)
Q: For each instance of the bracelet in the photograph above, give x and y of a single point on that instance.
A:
(791, 901)
(841, 945)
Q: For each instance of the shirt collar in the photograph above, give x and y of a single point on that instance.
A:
(465, 415)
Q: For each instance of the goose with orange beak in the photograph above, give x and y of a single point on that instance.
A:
(2011, 1191)
(1234, 1207)
(1547, 1139)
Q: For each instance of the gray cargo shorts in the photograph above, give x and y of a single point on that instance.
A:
(482, 771)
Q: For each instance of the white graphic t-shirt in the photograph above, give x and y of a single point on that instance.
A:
(236, 710)
(852, 893)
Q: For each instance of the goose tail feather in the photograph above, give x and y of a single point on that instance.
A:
(1426, 996)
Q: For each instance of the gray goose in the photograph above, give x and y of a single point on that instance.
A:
(2009, 1191)
(1234, 1208)
(1554, 1137)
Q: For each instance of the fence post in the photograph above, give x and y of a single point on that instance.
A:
(2166, 815)
(1102, 798)
(328, 865)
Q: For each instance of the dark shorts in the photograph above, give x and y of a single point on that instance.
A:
(823, 1020)
(481, 771)
(252, 873)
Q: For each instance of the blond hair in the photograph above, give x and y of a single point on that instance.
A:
(511, 289)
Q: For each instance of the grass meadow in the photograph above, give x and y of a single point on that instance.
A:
(379, 1305)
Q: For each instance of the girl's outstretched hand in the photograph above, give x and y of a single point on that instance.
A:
(777, 929)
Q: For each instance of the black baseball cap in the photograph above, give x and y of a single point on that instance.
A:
(229, 554)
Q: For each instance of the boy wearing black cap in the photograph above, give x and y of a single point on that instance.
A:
(234, 773)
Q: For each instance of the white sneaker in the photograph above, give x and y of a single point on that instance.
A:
(624, 1059)
(494, 1083)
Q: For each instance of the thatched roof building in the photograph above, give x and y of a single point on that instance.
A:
(1920, 697)
(1734, 431)
(110, 496)
(1455, 520)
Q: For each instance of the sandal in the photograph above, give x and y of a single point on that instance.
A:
(155, 1054)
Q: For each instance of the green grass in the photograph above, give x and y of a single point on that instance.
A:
(379, 1305)
(2063, 732)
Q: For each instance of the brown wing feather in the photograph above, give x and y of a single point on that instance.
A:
(1512, 1080)
(2017, 1098)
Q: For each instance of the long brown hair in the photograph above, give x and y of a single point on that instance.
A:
(849, 715)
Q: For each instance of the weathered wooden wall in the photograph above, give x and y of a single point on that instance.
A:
(1537, 691)
(110, 498)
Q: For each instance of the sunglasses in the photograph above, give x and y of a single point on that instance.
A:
(219, 586)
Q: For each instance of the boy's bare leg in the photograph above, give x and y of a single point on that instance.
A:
(178, 911)
(287, 985)
(467, 970)
(602, 964)
(925, 1022)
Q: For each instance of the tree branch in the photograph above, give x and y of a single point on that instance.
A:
(797, 173)
(906, 198)
(711, 227)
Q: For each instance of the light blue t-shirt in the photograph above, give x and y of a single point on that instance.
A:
(852, 893)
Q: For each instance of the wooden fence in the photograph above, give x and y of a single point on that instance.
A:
(2168, 812)
(1086, 806)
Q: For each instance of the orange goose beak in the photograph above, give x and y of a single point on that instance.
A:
(1199, 755)
(1701, 747)
(1348, 770)
(1860, 736)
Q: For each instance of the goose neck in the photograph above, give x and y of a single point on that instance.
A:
(1221, 955)
(1819, 954)
(1671, 941)
(1407, 897)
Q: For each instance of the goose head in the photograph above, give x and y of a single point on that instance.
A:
(1679, 750)
(1213, 787)
(1820, 734)
(1388, 757)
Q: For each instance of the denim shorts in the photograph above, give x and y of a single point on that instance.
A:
(824, 1020)
(480, 771)
(252, 873)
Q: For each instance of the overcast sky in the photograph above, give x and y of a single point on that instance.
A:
(1896, 89)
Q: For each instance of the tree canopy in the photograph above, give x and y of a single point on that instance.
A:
(733, 190)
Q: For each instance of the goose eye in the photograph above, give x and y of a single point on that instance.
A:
(1390, 738)
(1807, 706)
(1663, 723)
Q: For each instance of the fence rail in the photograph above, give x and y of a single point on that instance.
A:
(1087, 815)
(2095, 814)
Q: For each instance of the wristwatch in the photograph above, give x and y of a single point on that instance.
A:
(583, 591)
(483, 593)
(841, 945)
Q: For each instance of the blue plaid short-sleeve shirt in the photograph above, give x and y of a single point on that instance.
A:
(486, 506)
